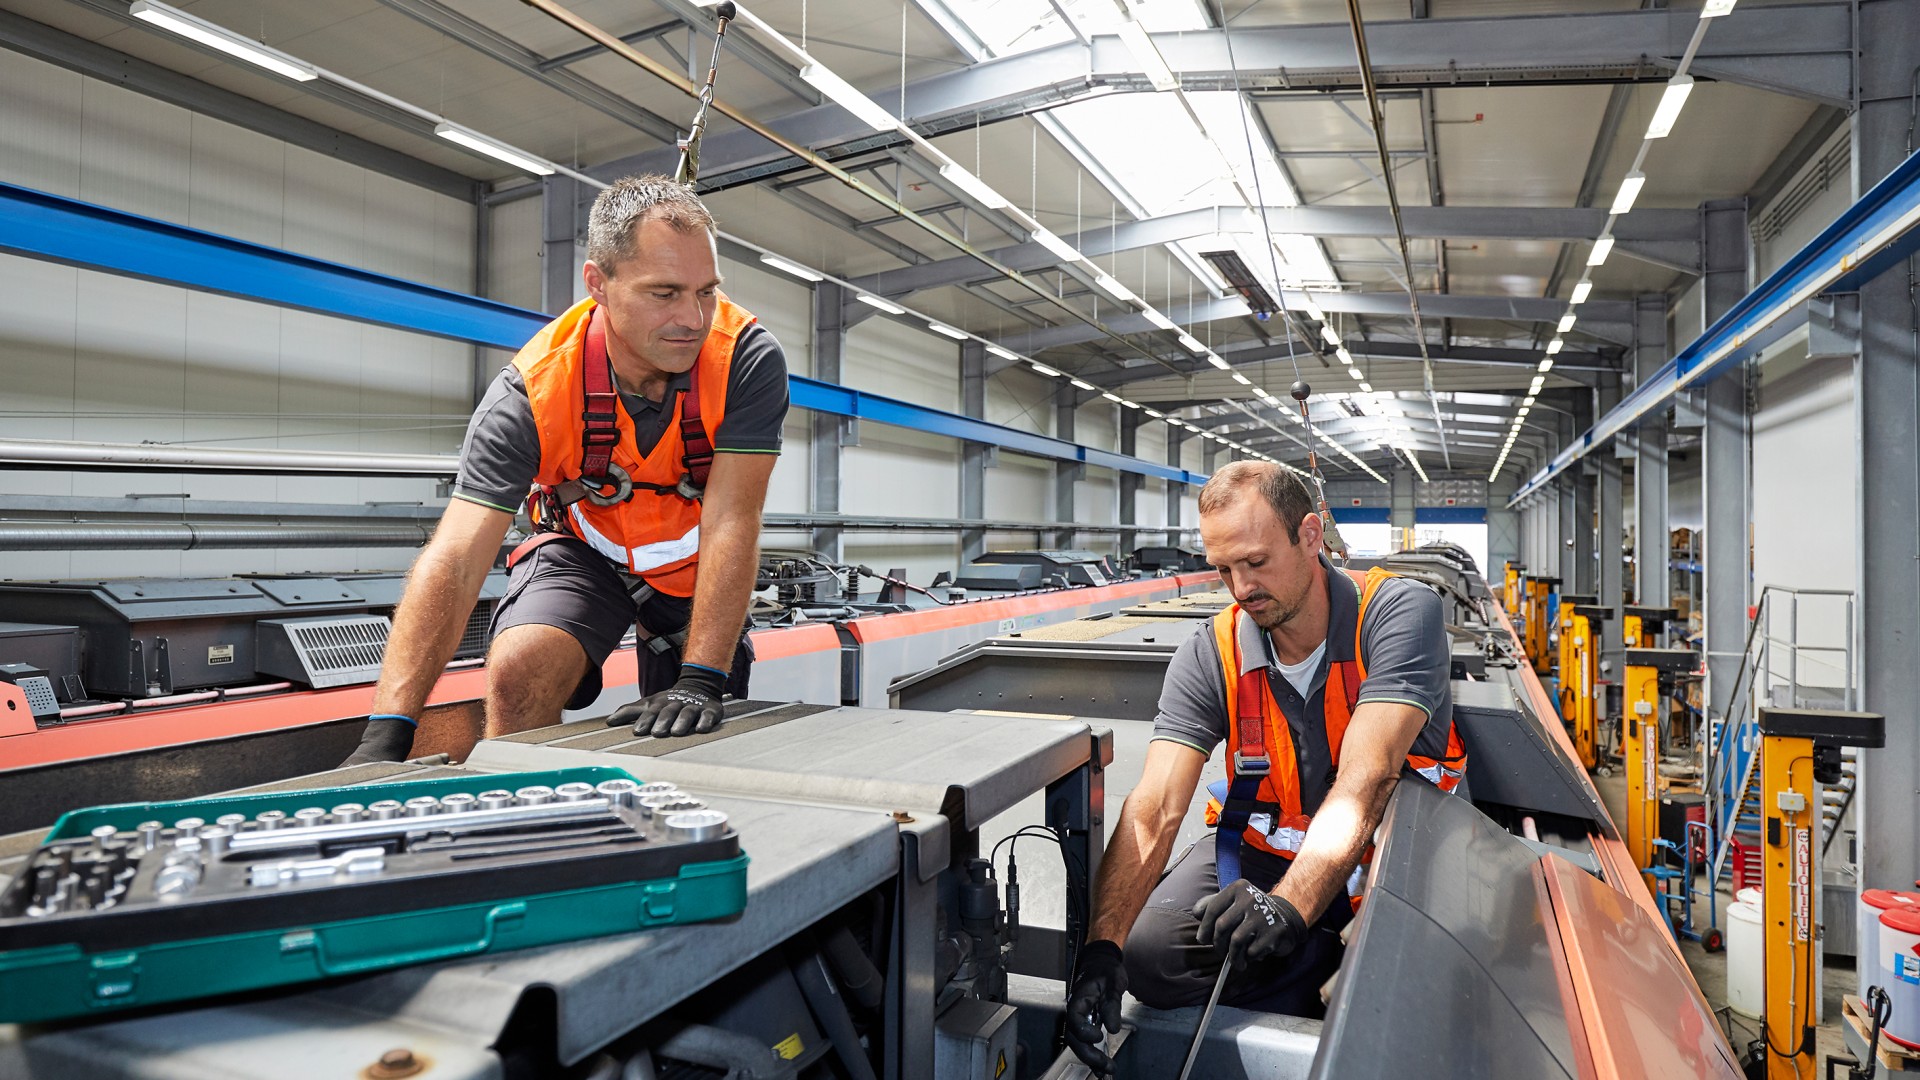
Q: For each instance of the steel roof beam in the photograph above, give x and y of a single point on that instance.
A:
(1804, 50)
(1670, 233)
(1610, 316)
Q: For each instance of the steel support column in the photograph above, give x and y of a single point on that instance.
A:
(1580, 492)
(828, 431)
(1130, 420)
(1566, 515)
(1650, 463)
(973, 455)
(1176, 493)
(1400, 494)
(1884, 394)
(1066, 405)
(1611, 537)
(559, 195)
(1725, 452)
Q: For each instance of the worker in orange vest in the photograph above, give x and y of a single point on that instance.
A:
(645, 421)
(1327, 685)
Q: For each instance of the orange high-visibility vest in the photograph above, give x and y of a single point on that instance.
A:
(1279, 824)
(654, 534)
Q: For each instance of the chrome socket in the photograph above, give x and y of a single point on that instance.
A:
(618, 792)
(308, 816)
(386, 810)
(269, 820)
(496, 799)
(573, 792)
(348, 812)
(534, 795)
(422, 806)
(458, 803)
(694, 825)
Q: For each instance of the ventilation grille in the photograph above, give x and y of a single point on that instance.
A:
(475, 638)
(344, 651)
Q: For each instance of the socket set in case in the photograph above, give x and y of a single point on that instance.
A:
(146, 903)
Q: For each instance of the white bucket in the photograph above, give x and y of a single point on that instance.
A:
(1746, 981)
(1899, 960)
(1748, 895)
(1872, 904)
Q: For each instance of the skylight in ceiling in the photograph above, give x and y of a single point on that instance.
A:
(1017, 26)
(1109, 129)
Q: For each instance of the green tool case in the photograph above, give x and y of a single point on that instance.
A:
(142, 904)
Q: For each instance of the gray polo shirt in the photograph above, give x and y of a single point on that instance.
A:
(501, 454)
(1407, 656)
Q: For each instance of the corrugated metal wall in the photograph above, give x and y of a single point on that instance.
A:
(89, 356)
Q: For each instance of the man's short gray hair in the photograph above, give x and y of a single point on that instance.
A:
(620, 209)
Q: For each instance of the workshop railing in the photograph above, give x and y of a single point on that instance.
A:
(1772, 672)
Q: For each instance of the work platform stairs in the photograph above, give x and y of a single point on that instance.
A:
(1770, 675)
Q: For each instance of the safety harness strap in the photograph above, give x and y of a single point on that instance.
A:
(601, 413)
(1251, 764)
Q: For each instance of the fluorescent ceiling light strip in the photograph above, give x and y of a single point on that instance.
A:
(1331, 335)
(1082, 383)
(822, 78)
(1004, 354)
(1191, 343)
(222, 39)
(1044, 369)
(975, 187)
(1554, 347)
(1716, 8)
(943, 328)
(1242, 379)
(795, 269)
(1672, 100)
(1601, 249)
(1546, 365)
(1111, 396)
(479, 143)
(1345, 356)
(1112, 287)
(1581, 291)
(1214, 359)
(887, 306)
(1566, 323)
(1161, 321)
(1060, 248)
(1629, 191)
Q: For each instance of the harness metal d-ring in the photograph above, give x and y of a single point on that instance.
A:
(617, 476)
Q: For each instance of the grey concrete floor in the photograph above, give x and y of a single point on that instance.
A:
(1710, 969)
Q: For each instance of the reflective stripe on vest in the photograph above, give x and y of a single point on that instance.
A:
(1277, 823)
(652, 534)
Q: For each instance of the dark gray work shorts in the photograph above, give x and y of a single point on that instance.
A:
(1168, 968)
(566, 584)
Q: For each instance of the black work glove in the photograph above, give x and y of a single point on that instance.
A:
(1093, 1003)
(1249, 924)
(691, 707)
(389, 737)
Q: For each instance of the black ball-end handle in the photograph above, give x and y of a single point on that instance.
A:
(1300, 390)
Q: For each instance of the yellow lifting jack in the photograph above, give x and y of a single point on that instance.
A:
(1648, 672)
(1641, 626)
(1799, 752)
(1563, 652)
(1583, 679)
(1538, 622)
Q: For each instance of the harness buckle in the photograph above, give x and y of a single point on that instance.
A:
(687, 490)
(616, 476)
(1251, 766)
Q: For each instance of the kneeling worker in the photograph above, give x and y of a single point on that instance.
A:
(646, 420)
(1325, 684)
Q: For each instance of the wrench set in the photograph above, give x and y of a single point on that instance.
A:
(136, 904)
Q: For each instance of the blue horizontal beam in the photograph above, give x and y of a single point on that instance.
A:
(846, 401)
(1866, 240)
(43, 226)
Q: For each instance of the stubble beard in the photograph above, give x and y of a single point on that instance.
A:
(1281, 614)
